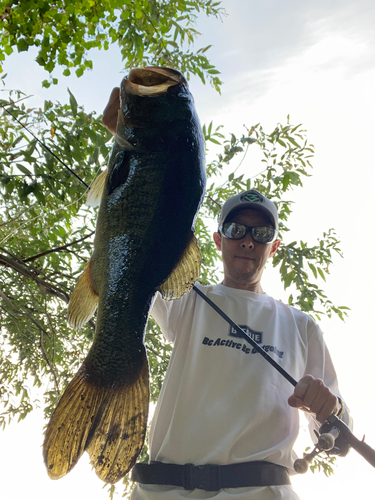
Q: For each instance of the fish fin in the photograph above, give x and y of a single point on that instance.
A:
(119, 435)
(94, 194)
(184, 275)
(109, 422)
(83, 302)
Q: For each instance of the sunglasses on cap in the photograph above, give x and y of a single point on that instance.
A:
(236, 231)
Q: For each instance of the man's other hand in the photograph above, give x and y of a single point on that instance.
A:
(313, 396)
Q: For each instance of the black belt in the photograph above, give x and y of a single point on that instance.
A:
(211, 477)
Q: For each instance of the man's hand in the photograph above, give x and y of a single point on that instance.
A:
(111, 111)
(313, 396)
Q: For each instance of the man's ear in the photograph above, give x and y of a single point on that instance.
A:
(217, 240)
(275, 246)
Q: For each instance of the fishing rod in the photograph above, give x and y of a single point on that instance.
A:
(43, 145)
(326, 441)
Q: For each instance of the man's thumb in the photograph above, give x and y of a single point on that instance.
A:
(295, 402)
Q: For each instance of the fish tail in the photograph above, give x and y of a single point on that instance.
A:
(108, 422)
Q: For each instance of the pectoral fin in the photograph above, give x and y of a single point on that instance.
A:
(83, 302)
(94, 195)
(185, 274)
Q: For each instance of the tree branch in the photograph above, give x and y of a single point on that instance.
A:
(32, 273)
(213, 201)
(58, 249)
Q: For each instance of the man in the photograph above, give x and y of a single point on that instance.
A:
(221, 403)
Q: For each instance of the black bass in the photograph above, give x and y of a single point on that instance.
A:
(144, 242)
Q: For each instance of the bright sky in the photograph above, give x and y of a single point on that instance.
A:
(314, 61)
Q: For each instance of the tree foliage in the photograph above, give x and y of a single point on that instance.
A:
(148, 32)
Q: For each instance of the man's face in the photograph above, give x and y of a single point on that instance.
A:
(244, 259)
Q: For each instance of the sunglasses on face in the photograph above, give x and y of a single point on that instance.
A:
(236, 231)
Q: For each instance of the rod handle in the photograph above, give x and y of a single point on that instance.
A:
(359, 446)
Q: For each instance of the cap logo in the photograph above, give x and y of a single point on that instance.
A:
(252, 198)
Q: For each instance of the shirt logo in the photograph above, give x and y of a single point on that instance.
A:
(257, 336)
(242, 346)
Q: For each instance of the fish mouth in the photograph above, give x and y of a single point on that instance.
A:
(152, 82)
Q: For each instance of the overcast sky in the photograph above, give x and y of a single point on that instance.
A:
(314, 61)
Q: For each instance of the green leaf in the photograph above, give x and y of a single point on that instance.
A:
(23, 169)
(288, 279)
(321, 274)
(290, 139)
(70, 9)
(22, 45)
(73, 103)
(313, 269)
(211, 139)
(8, 50)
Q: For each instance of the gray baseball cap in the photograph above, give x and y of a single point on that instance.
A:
(250, 199)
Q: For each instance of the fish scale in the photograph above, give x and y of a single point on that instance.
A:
(144, 243)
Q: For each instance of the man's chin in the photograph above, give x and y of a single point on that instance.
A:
(246, 277)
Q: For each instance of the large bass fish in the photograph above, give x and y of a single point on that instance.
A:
(144, 242)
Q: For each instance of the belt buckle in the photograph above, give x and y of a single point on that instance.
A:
(205, 477)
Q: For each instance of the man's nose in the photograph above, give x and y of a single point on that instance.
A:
(247, 241)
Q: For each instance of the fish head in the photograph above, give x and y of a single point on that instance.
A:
(153, 95)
